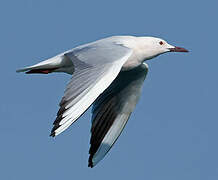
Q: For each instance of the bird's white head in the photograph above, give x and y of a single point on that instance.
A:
(151, 47)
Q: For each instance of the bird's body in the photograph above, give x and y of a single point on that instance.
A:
(107, 73)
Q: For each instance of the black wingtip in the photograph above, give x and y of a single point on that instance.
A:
(52, 134)
(90, 162)
(90, 165)
(56, 126)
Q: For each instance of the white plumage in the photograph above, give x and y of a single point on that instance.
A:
(107, 73)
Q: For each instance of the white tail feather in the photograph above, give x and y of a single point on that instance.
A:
(59, 62)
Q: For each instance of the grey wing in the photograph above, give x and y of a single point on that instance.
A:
(95, 66)
(112, 109)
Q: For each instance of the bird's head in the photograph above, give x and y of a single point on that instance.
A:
(153, 47)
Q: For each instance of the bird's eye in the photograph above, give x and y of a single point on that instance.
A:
(161, 43)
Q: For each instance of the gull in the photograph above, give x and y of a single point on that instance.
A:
(108, 74)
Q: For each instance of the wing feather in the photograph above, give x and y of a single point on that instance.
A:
(112, 109)
(95, 67)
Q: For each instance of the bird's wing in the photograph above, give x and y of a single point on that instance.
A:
(95, 66)
(112, 109)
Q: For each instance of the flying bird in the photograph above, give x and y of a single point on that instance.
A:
(108, 74)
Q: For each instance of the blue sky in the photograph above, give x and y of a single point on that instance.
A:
(172, 133)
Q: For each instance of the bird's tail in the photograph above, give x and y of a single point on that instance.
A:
(55, 64)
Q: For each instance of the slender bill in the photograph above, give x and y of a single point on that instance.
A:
(178, 49)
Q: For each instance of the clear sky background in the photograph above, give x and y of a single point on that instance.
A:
(172, 134)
